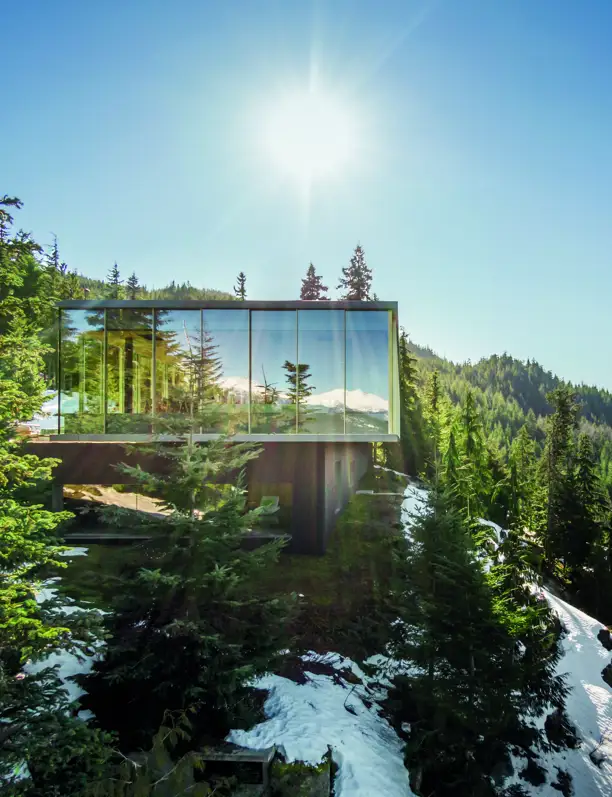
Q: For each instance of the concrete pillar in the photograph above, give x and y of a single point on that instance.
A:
(57, 497)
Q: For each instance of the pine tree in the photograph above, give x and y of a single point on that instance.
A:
(298, 390)
(475, 476)
(133, 286)
(412, 424)
(459, 699)
(582, 511)
(240, 288)
(522, 477)
(193, 631)
(312, 286)
(556, 466)
(432, 411)
(33, 708)
(114, 283)
(356, 280)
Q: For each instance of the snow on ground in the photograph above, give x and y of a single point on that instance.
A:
(589, 707)
(75, 552)
(68, 663)
(304, 719)
(413, 505)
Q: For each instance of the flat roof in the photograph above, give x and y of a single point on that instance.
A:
(221, 304)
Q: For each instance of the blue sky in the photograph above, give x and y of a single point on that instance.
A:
(481, 190)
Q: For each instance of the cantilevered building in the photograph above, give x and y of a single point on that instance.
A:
(315, 383)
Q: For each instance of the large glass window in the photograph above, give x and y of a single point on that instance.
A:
(367, 372)
(81, 396)
(321, 371)
(178, 361)
(226, 370)
(273, 371)
(129, 360)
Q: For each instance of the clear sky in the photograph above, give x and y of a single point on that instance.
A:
(479, 180)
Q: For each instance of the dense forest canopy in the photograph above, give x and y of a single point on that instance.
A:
(511, 393)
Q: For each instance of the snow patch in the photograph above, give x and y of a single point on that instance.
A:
(304, 719)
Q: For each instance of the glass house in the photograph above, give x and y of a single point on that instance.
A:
(315, 383)
(270, 370)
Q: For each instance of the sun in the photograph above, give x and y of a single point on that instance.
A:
(310, 136)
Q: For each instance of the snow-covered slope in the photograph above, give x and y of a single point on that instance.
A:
(327, 710)
(589, 707)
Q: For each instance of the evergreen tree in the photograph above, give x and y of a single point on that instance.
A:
(33, 708)
(312, 286)
(114, 284)
(556, 467)
(412, 423)
(356, 280)
(475, 477)
(432, 410)
(522, 477)
(193, 631)
(582, 511)
(298, 390)
(240, 288)
(459, 699)
(133, 286)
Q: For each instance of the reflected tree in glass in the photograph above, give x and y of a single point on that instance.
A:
(178, 355)
(129, 361)
(321, 344)
(226, 371)
(273, 344)
(81, 398)
(299, 390)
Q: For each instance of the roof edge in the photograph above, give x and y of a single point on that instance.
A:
(220, 304)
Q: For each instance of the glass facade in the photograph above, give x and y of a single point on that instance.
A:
(129, 369)
(81, 384)
(233, 371)
(367, 372)
(321, 378)
(273, 371)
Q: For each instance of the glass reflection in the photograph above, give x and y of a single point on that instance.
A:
(367, 372)
(273, 371)
(81, 396)
(321, 378)
(178, 356)
(225, 371)
(129, 355)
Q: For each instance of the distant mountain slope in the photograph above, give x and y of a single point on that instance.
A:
(184, 290)
(511, 393)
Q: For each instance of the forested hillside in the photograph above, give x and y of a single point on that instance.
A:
(511, 393)
(99, 289)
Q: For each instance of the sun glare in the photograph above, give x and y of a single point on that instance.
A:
(310, 136)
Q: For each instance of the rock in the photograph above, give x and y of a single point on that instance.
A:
(606, 674)
(604, 637)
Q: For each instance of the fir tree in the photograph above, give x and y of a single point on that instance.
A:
(459, 699)
(312, 286)
(556, 466)
(522, 477)
(197, 627)
(412, 424)
(475, 477)
(114, 283)
(33, 708)
(133, 286)
(298, 390)
(240, 288)
(356, 280)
